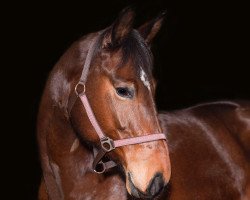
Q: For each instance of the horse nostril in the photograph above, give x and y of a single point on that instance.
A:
(156, 185)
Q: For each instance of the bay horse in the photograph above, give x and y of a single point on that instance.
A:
(99, 96)
(208, 144)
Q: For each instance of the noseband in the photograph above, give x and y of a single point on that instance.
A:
(107, 144)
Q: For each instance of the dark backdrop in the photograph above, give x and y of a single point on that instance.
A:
(201, 54)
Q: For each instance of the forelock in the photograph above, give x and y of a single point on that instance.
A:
(135, 49)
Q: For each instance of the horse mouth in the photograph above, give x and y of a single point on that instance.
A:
(142, 195)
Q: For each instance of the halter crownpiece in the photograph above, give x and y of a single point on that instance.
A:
(107, 144)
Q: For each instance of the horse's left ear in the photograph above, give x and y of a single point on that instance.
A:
(120, 28)
(149, 30)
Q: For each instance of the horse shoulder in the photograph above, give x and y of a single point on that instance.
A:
(217, 131)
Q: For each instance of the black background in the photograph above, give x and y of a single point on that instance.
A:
(201, 54)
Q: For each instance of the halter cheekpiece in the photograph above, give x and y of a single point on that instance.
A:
(107, 144)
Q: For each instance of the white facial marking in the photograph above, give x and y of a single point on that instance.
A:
(74, 145)
(144, 79)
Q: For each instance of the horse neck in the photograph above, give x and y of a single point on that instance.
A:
(67, 72)
(54, 127)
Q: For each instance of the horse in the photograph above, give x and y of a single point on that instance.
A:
(97, 111)
(208, 144)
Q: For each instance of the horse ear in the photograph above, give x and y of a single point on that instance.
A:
(120, 28)
(149, 30)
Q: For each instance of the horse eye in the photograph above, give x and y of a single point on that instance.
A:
(125, 92)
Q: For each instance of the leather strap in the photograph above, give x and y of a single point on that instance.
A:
(140, 139)
(85, 71)
(99, 165)
(118, 143)
(91, 115)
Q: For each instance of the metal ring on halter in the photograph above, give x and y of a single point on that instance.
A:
(107, 144)
(100, 168)
(84, 88)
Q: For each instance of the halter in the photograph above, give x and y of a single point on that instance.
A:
(107, 144)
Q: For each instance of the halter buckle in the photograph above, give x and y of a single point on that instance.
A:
(107, 144)
(83, 88)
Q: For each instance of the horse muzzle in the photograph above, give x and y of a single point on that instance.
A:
(154, 187)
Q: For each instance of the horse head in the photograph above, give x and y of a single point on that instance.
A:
(120, 88)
